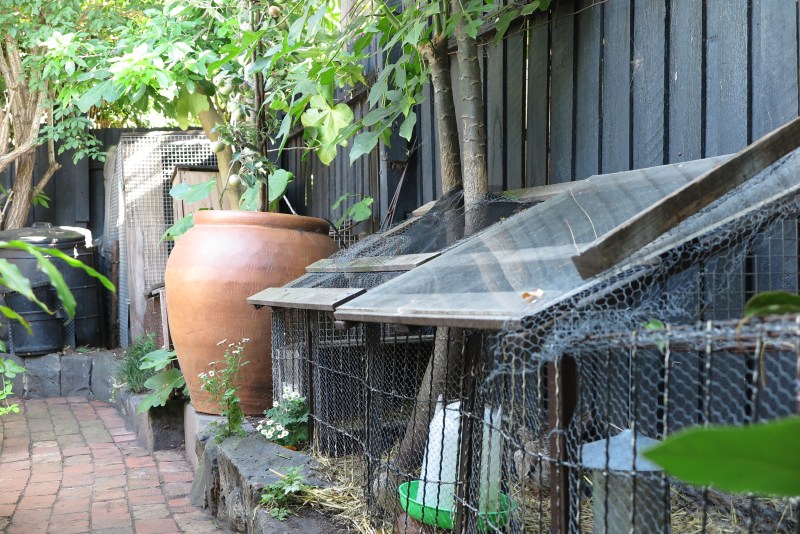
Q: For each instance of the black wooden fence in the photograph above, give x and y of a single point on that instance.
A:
(77, 191)
(596, 87)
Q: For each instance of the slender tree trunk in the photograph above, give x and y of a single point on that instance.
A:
(442, 372)
(476, 181)
(208, 120)
(435, 54)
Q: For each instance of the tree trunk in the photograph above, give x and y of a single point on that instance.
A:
(19, 121)
(476, 181)
(442, 376)
(21, 192)
(208, 120)
(435, 54)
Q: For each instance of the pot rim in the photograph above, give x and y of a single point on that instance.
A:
(257, 218)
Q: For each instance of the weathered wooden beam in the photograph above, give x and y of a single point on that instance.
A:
(627, 238)
(304, 298)
(405, 262)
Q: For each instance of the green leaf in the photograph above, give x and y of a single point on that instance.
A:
(92, 97)
(763, 458)
(52, 272)
(14, 316)
(364, 143)
(502, 24)
(162, 385)
(407, 128)
(157, 359)
(179, 228)
(277, 183)
(654, 324)
(361, 211)
(193, 193)
(189, 103)
(335, 205)
(69, 260)
(772, 303)
(12, 278)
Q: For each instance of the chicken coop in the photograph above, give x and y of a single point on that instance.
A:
(306, 334)
(493, 388)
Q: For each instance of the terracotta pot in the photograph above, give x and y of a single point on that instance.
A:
(226, 257)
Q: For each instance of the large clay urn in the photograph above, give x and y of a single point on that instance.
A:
(224, 258)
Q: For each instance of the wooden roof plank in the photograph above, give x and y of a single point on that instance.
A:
(405, 262)
(632, 235)
(306, 298)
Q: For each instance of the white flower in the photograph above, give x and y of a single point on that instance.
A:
(245, 339)
(284, 434)
(221, 342)
(269, 434)
(259, 427)
(279, 427)
(270, 422)
(202, 376)
(211, 373)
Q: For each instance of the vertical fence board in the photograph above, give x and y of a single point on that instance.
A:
(587, 95)
(774, 79)
(537, 127)
(426, 146)
(495, 116)
(562, 98)
(616, 87)
(648, 83)
(726, 77)
(685, 80)
(515, 109)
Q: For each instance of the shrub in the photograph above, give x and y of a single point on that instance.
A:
(130, 374)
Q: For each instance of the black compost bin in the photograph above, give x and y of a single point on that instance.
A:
(47, 332)
(85, 289)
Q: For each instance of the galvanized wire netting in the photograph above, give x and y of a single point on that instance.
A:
(539, 427)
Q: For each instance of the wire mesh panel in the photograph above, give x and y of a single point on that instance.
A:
(611, 396)
(147, 163)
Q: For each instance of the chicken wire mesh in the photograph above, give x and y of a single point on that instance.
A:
(145, 165)
(538, 427)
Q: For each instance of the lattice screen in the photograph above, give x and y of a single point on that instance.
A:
(146, 163)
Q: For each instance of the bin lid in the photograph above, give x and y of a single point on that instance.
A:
(45, 235)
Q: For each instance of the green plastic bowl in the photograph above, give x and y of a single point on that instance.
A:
(442, 517)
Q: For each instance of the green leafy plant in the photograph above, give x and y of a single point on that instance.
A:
(772, 303)
(286, 492)
(130, 373)
(286, 423)
(360, 211)
(220, 384)
(8, 370)
(12, 278)
(763, 458)
(165, 383)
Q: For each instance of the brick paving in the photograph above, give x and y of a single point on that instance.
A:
(68, 465)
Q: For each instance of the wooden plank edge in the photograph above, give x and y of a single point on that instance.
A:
(642, 229)
(346, 294)
(495, 322)
(362, 265)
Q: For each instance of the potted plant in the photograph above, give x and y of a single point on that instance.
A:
(222, 257)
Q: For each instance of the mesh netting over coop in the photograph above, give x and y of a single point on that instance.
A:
(321, 360)
(515, 415)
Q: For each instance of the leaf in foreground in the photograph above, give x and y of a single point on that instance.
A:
(763, 458)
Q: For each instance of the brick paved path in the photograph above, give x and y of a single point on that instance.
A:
(68, 465)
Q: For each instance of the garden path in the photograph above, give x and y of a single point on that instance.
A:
(69, 465)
